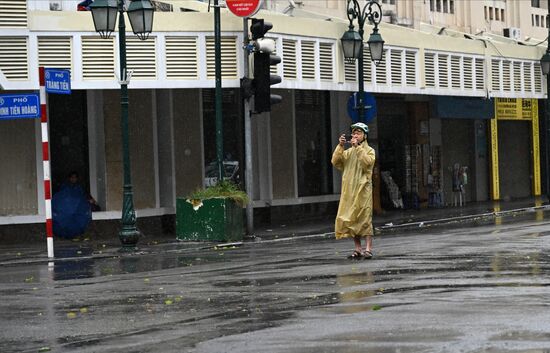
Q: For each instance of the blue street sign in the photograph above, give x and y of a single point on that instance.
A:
(368, 102)
(58, 81)
(19, 106)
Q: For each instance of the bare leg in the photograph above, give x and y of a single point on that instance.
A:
(357, 241)
(368, 243)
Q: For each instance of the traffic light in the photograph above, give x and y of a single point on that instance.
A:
(263, 59)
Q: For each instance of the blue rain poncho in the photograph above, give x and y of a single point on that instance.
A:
(71, 211)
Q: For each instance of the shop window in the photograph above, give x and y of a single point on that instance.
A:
(233, 135)
(497, 15)
(486, 12)
(438, 5)
(313, 143)
(490, 13)
(452, 6)
(432, 5)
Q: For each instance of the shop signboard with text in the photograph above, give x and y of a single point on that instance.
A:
(515, 108)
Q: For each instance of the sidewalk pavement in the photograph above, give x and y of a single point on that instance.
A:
(402, 220)
(389, 222)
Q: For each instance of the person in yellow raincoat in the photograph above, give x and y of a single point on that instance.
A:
(354, 218)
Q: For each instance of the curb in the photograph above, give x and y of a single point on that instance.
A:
(384, 229)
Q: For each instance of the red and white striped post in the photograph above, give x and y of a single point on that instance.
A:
(46, 161)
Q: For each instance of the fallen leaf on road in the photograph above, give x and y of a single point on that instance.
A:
(71, 315)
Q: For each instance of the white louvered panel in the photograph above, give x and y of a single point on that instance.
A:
(381, 72)
(55, 52)
(326, 60)
(13, 13)
(308, 60)
(495, 72)
(429, 69)
(410, 68)
(289, 58)
(468, 77)
(13, 58)
(350, 71)
(228, 57)
(538, 77)
(396, 68)
(181, 58)
(98, 58)
(273, 68)
(455, 72)
(443, 70)
(367, 65)
(480, 73)
(141, 57)
(506, 76)
(528, 77)
(517, 76)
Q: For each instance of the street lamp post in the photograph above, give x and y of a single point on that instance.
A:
(140, 13)
(352, 42)
(545, 66)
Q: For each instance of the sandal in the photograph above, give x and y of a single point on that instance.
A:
(356, 255)
(367, 254)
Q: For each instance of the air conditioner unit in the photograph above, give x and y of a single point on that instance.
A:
(512, 32)
(55, 6)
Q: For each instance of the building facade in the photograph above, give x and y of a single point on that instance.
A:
(520, 20)
(172, 134)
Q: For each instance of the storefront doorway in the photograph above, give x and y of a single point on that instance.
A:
(68, 138)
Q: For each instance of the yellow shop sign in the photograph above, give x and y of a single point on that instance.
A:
(515, 108)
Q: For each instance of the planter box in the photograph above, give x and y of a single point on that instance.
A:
(216, 220)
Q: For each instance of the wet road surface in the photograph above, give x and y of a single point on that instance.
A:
(476, 289)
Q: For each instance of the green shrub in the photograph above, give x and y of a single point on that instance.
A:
(224, 189)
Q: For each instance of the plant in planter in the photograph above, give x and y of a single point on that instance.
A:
(212, 214)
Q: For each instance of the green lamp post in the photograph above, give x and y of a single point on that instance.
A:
(352, 42)
(140, 13)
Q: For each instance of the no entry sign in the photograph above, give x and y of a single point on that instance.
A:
(243, 8)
